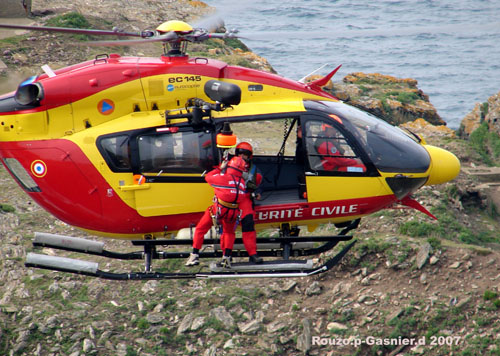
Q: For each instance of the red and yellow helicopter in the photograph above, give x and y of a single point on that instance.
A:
(117, 146)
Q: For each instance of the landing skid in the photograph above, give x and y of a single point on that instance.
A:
(284, 246)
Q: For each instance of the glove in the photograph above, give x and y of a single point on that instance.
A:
(251, 186)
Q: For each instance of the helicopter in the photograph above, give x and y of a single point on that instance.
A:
(117, 146)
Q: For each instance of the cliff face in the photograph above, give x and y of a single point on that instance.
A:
(394, 99)
(488, 112)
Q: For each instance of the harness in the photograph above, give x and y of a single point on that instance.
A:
(228, 210)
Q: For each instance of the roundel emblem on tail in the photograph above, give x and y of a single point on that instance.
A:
(38, 168)
(106, 106)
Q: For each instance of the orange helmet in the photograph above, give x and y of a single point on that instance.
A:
(244, 148)
(236, 166)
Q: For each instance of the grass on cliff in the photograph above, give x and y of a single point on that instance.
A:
(486, 143)
(450, 227)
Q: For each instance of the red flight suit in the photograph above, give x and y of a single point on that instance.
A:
(229, 193)
(332, 160)
(248, 233)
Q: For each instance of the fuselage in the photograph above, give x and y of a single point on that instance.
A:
(77, 141)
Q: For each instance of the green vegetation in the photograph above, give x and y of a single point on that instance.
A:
(71, 20)
(484, 110)
(448, 226)
(493, 297)
(7, 208)
(402, 96)
(486, 143)
(236, 43)
(489, 295)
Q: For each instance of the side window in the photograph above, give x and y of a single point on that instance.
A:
(328, 150)
(116, 151)
(180, 152)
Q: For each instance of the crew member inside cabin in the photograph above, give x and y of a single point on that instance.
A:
(332, 154)
(300, 158)
(253, 179)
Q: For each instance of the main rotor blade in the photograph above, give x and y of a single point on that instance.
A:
(170, 36)
(116, 32)
(210, 23)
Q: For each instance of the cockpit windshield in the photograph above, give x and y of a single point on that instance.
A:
(389, 148)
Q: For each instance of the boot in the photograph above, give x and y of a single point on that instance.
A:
(225, 262)
(193, 260)
(255, 259)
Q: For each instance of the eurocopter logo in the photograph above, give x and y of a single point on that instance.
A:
(170, 87)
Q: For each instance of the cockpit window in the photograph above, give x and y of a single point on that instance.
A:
(328, 150)
(180, 152)
(389, 148)
(116, 151)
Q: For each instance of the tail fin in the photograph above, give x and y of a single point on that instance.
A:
(322, 81)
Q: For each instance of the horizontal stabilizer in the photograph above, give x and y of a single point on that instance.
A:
(61, 264)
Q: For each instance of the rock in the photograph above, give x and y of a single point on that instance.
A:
(155, 318)
(275, 326)
(52, 321)
(395, 314)
(288, 285)
(403, 101)
(426, 129)
(3, 67)
(88, 345)
(423, 278)
(221, 314)
(20, 347)
(463, 302)
(197, 323)
(140, 306)
(455, 265)
(433, 260)
(423, 254)
(212, 351)
(210, 331)
(488, 112)
(336, 326)
(304, 341)
(158, 308)
(229, 344)
(314, 289)
(150, 287)
(250, 327)
(185, 324)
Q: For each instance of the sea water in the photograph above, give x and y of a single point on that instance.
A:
(452, 48)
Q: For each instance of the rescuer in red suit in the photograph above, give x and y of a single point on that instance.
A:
(252, 181)
(230, 192)
(332, 159)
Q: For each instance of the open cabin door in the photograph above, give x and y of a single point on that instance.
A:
(172, 162)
